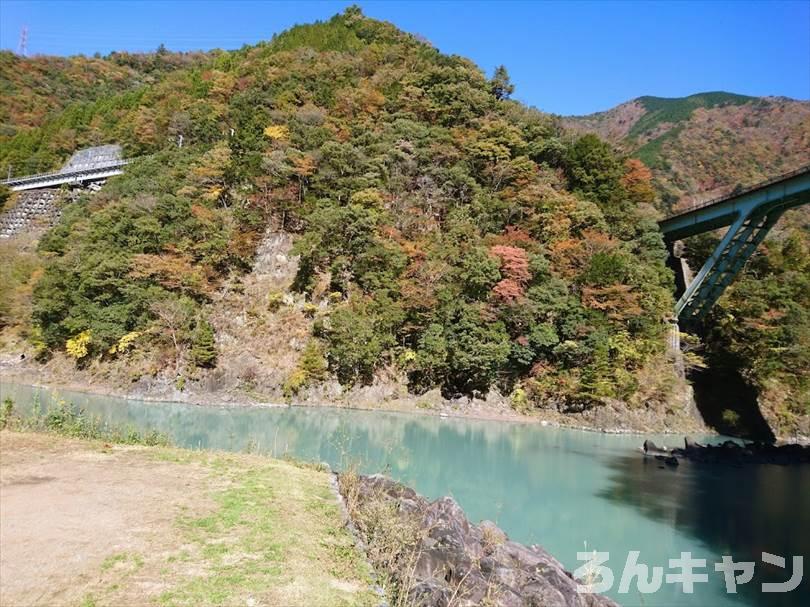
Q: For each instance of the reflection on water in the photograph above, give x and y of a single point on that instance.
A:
(562, 489)
(736, 511)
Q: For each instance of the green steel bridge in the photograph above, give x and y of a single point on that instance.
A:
(749, 215)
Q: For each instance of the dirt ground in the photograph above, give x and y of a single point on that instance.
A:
(88, 524)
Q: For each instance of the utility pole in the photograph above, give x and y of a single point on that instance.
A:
(22, 48)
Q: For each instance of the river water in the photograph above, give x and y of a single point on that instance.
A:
(569, 491)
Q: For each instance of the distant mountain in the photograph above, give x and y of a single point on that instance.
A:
(704, 145)
(35, 88)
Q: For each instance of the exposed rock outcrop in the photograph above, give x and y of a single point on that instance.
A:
(730, 452)
(434, 557)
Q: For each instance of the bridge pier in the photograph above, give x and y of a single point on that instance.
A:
(677, 263)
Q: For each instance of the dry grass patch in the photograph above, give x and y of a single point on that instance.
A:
(163, 526)
(275, 538)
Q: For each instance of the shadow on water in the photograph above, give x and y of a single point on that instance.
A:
(739, 512)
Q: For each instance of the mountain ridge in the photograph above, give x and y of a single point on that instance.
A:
(749, 139)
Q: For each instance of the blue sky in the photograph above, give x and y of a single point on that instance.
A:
(564, 57)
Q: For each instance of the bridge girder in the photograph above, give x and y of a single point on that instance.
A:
(750, 215)
(49, 180)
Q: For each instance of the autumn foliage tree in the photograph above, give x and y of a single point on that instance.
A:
(515, 271)
(637, 181)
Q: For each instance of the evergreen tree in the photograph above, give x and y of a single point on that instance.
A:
(502, 86)
(203, 347)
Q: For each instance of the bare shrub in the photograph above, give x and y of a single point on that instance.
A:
(393, 538)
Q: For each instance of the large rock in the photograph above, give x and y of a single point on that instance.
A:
(459, 563)
(730, 452)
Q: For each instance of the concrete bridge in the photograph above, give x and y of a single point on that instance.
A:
(71, 177)
(84, 166)
(38, 204)
(750, 214)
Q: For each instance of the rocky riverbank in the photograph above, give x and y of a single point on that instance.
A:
(612, 417)
(731, 452)
(427, 554)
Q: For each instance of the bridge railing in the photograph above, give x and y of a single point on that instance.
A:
(66, 174)
(736, 193)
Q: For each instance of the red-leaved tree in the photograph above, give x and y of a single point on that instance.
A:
(515, 272)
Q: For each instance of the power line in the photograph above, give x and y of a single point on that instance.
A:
(139, 36)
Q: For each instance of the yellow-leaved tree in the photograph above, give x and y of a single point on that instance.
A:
(277, 132)
(125, 343)
(78, 347)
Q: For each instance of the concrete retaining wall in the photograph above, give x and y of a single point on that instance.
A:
(34, 208)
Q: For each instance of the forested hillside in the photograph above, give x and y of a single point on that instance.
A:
(703, 146)
(36, 91)
(444, 235)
